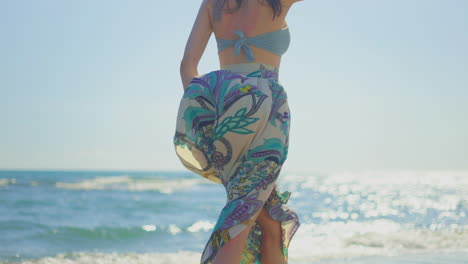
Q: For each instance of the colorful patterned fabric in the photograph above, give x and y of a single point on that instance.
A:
(233, 128)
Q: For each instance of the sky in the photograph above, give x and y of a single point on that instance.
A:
(372, 85)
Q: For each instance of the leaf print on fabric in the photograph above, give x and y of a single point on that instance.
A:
(235, 124)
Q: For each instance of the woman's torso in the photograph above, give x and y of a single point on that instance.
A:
(253, 19)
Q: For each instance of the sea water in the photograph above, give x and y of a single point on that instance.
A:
(167, 217)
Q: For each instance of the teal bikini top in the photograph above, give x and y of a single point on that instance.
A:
(276, 42)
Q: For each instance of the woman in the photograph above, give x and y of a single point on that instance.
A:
(233, 127)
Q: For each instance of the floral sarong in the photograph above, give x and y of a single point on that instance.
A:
(233, 128)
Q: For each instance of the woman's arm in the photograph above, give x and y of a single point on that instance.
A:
(196, 44)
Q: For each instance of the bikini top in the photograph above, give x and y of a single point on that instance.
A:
(276, 42)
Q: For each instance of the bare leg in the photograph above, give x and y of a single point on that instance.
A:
(270, 250)
(231, 252)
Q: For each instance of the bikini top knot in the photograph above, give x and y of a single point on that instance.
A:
(243, 43)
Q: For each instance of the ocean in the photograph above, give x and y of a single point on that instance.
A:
(158, 217)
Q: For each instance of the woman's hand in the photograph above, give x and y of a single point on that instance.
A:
(186, 78)
(185, 83)
(188, 71)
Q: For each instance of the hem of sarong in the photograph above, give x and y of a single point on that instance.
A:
(285, 241)
(209, 259)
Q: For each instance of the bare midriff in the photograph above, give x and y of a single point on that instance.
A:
(227, 57)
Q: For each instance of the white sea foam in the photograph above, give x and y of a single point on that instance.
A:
(190, 257)
(6, 181)
(149, 228)
(174, 230)
(132, 184)
(374, 238)
(187, 257)
(200, 226)
(197, 226)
